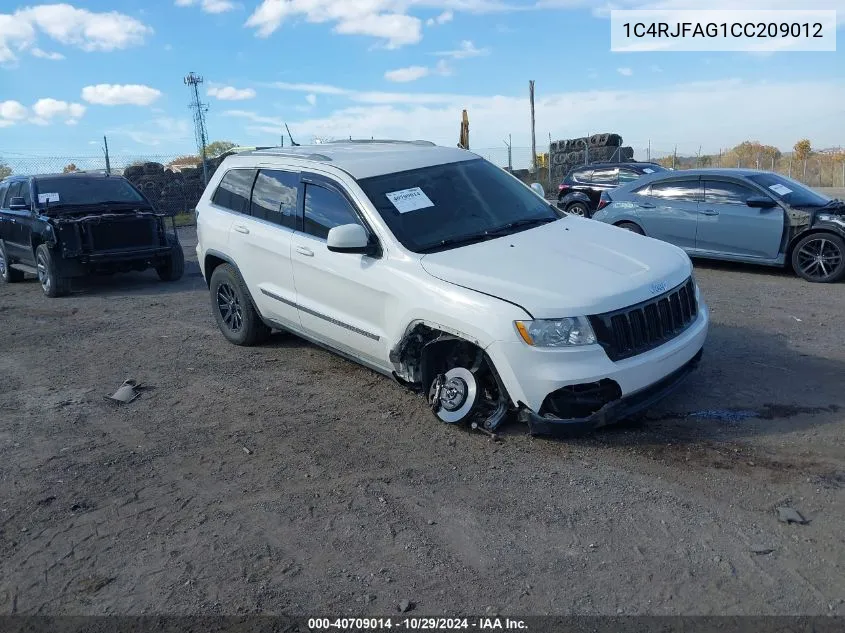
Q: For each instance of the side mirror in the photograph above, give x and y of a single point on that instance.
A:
(538, 189)
(760, 202)
(17, 203)
(350, 238)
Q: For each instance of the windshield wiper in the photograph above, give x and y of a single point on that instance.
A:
(508, 228)
(459, 241)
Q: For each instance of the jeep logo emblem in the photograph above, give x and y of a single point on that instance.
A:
(658, 287)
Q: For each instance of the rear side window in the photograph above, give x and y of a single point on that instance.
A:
(234, 190)
(686, 190)
(582, 176)
(722, 192)
(605, 176)
(326, 209)
(274, 197)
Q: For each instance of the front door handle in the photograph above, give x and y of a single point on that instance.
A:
(709, 212)
(647, 205)
(302, 250)
(240, 228)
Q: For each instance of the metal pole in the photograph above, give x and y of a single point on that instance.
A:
(533, 136)
(648, 155)
(106, 150)
(674, 157)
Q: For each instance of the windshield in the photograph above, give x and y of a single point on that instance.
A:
(79, 190)
(790, 191)
(424, 208)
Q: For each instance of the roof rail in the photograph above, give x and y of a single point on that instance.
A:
(279, 151)
(383, 140)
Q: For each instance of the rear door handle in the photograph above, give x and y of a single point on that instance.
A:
(305, 251)
(709, 212)
(240, 228)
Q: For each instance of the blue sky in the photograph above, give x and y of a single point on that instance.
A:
(390, 68)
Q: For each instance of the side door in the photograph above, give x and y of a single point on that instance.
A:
(727, 225)
(263, 241)
(17, 241)
(341, 300)
(603, 179)
(5, 218)
(668, 210)
(27, 224)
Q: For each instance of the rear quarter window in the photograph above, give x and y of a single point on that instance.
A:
(234, 190)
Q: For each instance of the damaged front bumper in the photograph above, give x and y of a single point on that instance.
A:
(612, 412)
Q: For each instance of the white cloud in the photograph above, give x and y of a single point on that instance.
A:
(311, 99)
(411, 73)
(443, 18)
(158, 131)
(230, 93)
(46, 110)
(625, 72)
(116, 94)
(37, 52)
(687, 114)
(466, 49)
(209, 6)
(12, 111)
(65, 24)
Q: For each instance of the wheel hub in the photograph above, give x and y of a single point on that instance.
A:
(453, 394)
(456, 395)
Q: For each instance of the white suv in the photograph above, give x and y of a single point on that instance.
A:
(435, 267)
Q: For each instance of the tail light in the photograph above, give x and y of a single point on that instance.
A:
(562, 187)
(604, 200)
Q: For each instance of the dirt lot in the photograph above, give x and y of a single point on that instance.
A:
(351, 497)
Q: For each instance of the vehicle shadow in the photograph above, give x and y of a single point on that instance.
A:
(749, 383)
(137, 283)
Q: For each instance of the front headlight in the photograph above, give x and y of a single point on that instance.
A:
(566, 332)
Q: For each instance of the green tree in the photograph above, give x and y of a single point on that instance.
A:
(70, 167)
(216, 148)
(803, 149)
(5, 170)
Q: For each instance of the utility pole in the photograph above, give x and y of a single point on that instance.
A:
(193, 82)
(649, 151)
(106, 151)
(674, 157)
(533, 137)
(508, 145)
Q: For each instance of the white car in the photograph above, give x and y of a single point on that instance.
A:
(435, 267)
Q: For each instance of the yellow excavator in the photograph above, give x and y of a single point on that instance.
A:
(463, 142)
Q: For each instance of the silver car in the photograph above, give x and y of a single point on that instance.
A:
(738, 215)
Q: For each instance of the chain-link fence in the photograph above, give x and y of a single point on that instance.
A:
(173, 184)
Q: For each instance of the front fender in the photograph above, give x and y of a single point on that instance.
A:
(617, 212)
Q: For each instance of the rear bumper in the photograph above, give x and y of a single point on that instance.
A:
(613, 411)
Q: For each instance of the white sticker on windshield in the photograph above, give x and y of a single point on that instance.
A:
(409, 200)
(780, 189)
(48, 197)
(648, 171)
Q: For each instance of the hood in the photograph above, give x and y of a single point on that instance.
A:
(571, 267)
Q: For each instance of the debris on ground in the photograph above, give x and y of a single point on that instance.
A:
(405, 606)
(791, 515)
(247, 451)
(760, 549)
(128, 391)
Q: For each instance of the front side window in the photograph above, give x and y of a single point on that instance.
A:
(683, 190)
(789, 191)
(274, 197)
(234, 190)
(326, 209)
(14, 192)
(605, 176)
(4, 189)
(441, 206)
(85, 190)
(723, 192)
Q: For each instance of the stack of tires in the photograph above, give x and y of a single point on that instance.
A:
(568, 153)
(171, 192)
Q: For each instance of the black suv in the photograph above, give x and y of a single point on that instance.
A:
(71, 225)
(580, 191)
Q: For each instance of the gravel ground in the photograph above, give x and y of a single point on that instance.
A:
(283, 479)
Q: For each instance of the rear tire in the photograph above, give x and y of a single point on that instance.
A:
(175, 266)
(49, 273)
(8, 274)
(820, 258)
(236, 317)
(578, 208)
(630, 226)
